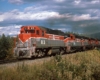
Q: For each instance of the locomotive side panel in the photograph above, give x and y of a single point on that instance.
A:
(55, 43)
(40, 42)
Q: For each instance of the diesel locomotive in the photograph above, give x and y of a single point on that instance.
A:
(34, 41)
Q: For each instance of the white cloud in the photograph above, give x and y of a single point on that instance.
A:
(59, 1)
(10, 30)
(29, 8)
(83, 17)
(77, 1)
(83, 25)
(17, 26)
(1, 28)
(95, 1)
(30, 15)
(35, 8)
(13, 33)
(62, 29)
(1, 19)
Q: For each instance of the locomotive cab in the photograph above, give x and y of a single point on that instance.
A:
(27, 32)
(33, 30)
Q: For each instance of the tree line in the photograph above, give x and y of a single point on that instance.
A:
(77, 35)
(6, 47)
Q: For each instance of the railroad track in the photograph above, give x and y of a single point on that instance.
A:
(8, 61)
(19, 60)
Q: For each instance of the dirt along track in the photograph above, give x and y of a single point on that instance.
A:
(31, 61)
(27, 61)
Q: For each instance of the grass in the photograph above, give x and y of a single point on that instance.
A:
(79, 66)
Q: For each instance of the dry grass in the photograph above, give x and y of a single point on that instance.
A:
(79, 66)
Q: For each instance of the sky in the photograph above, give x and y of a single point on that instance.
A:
(79, 16)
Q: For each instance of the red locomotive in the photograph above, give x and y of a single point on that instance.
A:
(34, 41)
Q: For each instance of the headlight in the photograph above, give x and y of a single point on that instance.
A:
(22, 53)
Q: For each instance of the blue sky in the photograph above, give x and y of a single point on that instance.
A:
(80, 16)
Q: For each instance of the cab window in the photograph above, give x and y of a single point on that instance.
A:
(37, 32)
(32, 31)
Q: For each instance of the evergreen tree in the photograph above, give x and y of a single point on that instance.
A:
(11, 47)
(6, 46)
(3, 47)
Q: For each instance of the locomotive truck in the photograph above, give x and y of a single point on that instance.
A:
(34, 41)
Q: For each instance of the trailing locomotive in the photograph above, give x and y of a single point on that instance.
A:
(34, 41)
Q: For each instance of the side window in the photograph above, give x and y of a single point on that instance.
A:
(37, 32)
(42, 33)
(21, 32)
(26, 31)
(32, 31)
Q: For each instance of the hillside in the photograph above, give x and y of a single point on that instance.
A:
(51, 31)
(95, 35)
(59, 32)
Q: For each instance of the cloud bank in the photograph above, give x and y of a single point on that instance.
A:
(81, 16)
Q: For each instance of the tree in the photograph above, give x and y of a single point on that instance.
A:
(6, 46)
(10, 47)
(3, 47)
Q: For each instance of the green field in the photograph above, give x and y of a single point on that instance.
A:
(78, 66)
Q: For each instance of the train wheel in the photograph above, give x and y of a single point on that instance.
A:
(84, 48)
(43, 53)
(49, 52)
(36, 53)
(40, 53)
(68, 50)
(61, 51)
